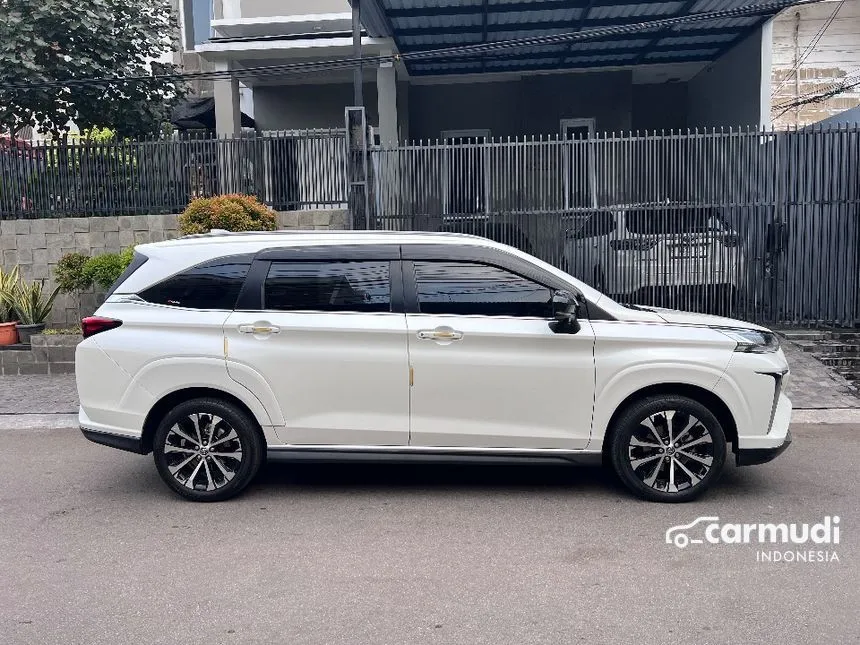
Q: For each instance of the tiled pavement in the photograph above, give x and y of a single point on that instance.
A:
(812, 386)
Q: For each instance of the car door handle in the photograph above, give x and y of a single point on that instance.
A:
(440, 333)
(258, 329)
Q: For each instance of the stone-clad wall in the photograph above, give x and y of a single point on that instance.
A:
(36, 245)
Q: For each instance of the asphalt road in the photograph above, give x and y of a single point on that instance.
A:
(94, 549)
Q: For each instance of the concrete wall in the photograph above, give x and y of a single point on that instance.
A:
(529, 105)
(735, 89)
(263, 8)
(660, 106)
(290, 107)
(37, 245)
(836, 54)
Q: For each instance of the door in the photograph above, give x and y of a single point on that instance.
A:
(326, 340)
(466, 174)
(487, 369)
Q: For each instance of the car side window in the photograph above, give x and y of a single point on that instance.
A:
(360, 286)
(598, 224)
(471, 288)
(214, 285)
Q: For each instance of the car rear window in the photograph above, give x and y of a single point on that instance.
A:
(214, 285)
(662, 221)
(137, 261)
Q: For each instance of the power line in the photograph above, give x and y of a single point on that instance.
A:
(809, 48)
(849, 82)
(756, 8)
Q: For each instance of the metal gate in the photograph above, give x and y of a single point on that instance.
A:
(758, 225)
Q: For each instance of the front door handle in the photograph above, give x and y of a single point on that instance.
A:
(444, 334)
(259, 329)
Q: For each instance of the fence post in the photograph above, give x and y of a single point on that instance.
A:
(356, 159)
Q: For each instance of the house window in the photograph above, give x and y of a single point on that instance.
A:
(196, 17)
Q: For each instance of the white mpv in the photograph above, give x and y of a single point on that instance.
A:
(219, 351)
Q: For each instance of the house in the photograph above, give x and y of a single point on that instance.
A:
(816, 51)
(703, 73)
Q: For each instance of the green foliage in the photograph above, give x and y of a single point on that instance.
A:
(9, 281)
(228, 212)
(31, 303)
(52, 41)
(70, 273)
(103, 270)
(66, 331)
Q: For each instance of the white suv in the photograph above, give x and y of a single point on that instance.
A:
(634, 251)
(216, 351)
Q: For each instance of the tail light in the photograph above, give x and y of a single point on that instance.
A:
(92, 325)
(633, 244)
(730, 241)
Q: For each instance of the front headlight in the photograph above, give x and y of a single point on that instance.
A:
(753, 341)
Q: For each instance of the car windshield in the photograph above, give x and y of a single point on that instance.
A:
(669, 220)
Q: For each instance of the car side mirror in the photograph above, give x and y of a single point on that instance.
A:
(565, 309)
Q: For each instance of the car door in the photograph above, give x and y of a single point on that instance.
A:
(321, 327)
(488, 371)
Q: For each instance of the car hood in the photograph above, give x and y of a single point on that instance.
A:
(702, 320)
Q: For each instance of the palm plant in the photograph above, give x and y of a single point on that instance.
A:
(31, 303)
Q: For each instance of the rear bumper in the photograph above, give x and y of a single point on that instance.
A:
(121, 442)
(756, 456)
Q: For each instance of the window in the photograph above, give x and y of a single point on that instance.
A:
(596, 225)
(214, 285)
(196, 18)
(328, 286)
(465, 288)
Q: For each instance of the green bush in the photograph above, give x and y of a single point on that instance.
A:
(70, 274)
(228, 212)
(103, 270)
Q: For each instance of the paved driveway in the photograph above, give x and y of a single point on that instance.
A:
(93, 549)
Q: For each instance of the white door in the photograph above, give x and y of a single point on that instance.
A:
(332, 351)
(488, 370)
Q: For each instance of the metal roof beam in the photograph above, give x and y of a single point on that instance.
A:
(565, 54)
(419, 69)
(508, 7)
(565, 25)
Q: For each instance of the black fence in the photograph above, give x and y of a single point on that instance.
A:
(287, 170)
(759, 225)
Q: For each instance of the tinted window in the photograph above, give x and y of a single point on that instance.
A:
(596, 225)
(662, 221)
(215, 285)
(465, 288)
(328, 286)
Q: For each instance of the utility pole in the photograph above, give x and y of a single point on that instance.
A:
(357, 77)
(356, 135)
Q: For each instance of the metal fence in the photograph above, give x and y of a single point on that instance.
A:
(759, 225)
(287, 170)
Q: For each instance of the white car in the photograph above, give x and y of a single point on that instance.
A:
(634, 251)
(215, 352)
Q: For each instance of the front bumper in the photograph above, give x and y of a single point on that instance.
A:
(756, 456)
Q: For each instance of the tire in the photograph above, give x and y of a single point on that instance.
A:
(634, 448)
(178, 450)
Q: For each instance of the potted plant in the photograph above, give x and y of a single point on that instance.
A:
(32, 306)
(9, 281)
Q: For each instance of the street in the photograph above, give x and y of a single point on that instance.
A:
(95, 550)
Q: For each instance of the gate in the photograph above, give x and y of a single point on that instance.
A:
(758, 225)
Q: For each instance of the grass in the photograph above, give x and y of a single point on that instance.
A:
(73, 331)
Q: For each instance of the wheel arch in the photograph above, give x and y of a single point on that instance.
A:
(169, 401)
(702, 395)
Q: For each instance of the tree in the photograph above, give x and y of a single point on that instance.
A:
(54, 41)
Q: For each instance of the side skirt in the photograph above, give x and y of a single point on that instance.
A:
(432, 454)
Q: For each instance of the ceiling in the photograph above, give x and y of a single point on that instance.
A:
(421, 25)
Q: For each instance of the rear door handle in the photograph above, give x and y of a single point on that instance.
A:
(440, 334)
(259, 329)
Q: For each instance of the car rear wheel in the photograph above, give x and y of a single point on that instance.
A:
(207, 450)
(668, 448)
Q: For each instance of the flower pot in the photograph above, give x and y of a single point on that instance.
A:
(8, 333)
(26, 331)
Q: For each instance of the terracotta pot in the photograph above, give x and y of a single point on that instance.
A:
(8, 333)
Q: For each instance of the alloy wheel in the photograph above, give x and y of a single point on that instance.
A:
(671, 451)
(203, 452)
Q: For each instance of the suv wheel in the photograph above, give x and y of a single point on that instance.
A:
(668, 448)
(207, 450)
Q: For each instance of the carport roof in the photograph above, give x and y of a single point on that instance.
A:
(420, 25)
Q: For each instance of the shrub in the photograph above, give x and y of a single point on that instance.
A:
(70, 273)
(105, 269)
(228, 212)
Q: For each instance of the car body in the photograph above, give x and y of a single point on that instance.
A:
(413, 346)
(630, 250)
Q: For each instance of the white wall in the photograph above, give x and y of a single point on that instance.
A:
(735, 89)
(263, 8)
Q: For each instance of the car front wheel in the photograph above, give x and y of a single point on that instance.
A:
(207, 450)
(668, 448)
